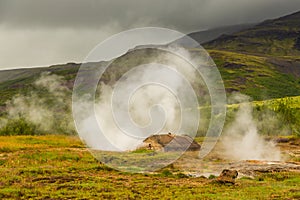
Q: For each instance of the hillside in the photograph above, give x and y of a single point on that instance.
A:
(262, 61)
(20, 81)
(214, 33)
(278, 37)
(211, 34)
(258, 76)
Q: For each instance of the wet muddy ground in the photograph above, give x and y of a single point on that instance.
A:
(215, 162)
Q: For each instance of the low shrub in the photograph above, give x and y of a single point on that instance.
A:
(18, 126)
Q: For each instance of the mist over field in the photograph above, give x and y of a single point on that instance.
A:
(44, 110)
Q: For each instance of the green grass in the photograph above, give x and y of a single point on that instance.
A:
(57, 167)
(273, 37)
(254, 76)
(260, 52)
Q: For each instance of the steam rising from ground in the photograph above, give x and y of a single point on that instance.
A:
(151, 109)
(242, 140)
(148, 99)
(47, 107)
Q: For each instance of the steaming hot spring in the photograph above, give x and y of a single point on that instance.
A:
(219, 159)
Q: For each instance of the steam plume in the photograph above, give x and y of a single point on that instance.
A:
(47, 106)
(242, 140)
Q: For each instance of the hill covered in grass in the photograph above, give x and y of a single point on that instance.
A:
(278, 37)
(21, 81)
(262, 61)
(259, 77)
(38, 101)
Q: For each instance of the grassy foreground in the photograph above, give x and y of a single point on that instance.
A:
(59, 167)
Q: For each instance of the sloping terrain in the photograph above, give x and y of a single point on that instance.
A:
(211, 34)
(257, 76)
(278, 37)
(20, 81)
(262, 61)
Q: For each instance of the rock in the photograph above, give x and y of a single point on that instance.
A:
(282, 140)
(227, 177)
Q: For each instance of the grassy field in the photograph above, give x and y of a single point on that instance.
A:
(59, 167)
(293, 103)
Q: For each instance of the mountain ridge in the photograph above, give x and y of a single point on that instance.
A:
(276, 37)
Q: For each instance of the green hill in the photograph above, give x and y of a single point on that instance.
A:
(262, 61)
(259, 77)
(20, 81)
(269, 69)
(278, 37)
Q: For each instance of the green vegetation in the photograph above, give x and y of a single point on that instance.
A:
(18, 126)
(21, 81)
(58, 167)
(278, 37)
(262, 62)
(289, 111)
(273, 117)
(254, 76)
(136, 161)
(286, 110)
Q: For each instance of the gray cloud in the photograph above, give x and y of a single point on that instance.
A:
(185, 15)
(42, 32)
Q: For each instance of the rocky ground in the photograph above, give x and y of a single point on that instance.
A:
(214, 163)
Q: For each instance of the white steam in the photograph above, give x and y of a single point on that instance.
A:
(242, 140)
(148, 99)
(151, 109)
(47, 106)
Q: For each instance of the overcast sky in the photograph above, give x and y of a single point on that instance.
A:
(45, 32)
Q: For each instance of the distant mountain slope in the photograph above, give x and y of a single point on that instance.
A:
(262, 61)
(278, 37)
(20, 81)
(211, 34)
